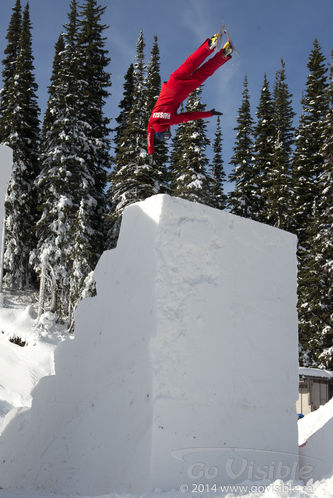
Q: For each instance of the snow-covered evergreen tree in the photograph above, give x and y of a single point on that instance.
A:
(311, 284)
(63, 168)
(264, 138)
(316, 270)
(20, 130)
(125, 106)
(308, 160)
(153, 87)
(153, 80)
(308, 171)
(82, 254)
(273, 141)
(133, 178)
(58, 62)
(325, 235)
(280, 192)
(218, 174)
(8, 72)
(74, 159)
(95, 84)
(241, 200)
(189, 177)
(325, 255)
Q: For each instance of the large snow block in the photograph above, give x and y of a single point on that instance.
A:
(315, 433)
(6, 165)
(184, 366)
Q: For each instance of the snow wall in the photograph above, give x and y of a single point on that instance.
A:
(183, 369)
(315, 440)
(6, 165)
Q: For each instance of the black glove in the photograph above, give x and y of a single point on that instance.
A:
(216, 113)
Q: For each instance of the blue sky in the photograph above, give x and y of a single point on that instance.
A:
(264, 31)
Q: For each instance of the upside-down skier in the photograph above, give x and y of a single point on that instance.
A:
(189, 76)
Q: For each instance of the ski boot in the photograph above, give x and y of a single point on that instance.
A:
(213, 41)
(227, 48)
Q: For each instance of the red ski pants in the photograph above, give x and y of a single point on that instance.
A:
(190, 76)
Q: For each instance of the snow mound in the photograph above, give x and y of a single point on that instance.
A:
(21, 368)
(315, 372)
(180, 367)
(315, 440)
(312, 422)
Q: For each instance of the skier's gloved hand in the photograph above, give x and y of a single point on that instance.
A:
(151, 160)
(216, 113)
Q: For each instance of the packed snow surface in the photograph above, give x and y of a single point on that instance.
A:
(21, 367)
(315, 372)
(171, 379)
(315, 440)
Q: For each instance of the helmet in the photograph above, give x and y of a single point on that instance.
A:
(163, 135)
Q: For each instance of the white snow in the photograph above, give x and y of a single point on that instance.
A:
(312, 422)
(178, 352)
(315, 440)
(21, 367)
(171, 377)
(315, 372)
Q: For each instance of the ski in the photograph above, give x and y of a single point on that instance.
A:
(231, 42)
(220, 36)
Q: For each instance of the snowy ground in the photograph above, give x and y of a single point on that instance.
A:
(278, 489)
(22, 367)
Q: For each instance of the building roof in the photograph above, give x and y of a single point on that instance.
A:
(315, 372)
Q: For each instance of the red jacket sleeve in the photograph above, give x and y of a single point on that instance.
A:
(150, 140)
(189, 116)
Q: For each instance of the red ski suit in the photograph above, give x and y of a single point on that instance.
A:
(182, 82)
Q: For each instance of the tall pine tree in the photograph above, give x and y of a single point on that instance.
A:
(279, 175)
(242, 200)
(264, 136)
(9, 63)
(308, 168)
(325, 235)
(63, 168)
(89, 230)
(20, 130)
(325, 240)
(133, 178)
(95, 84)
(189, 177)
(316, 270)
(153, 86)
(125, 106)
(218, 174)
(308, 160)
